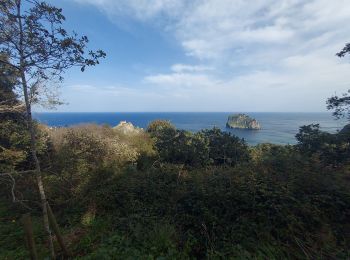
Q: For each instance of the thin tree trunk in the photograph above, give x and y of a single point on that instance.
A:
(37, 167)
(33, 137)
(57, 232)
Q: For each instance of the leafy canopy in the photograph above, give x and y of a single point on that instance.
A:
(32, 37)
(341, 105)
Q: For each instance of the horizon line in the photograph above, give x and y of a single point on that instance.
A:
(182, 112)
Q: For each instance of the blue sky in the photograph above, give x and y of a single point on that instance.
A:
(208, 55)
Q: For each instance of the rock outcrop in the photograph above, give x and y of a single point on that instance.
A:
(127, 128)
(242, 121)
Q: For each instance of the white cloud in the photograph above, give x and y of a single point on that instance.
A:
(189, 68)
(207, 28)
(279, 55)
(182, 80)
(139, 9)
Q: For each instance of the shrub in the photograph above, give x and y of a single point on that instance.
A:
(226, 212)
(208, 147)
(225, 148)
(80, 152)
(157, 126)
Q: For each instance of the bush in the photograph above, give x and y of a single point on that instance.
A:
(208, 147)
(157, 126)
(228, 212)
(82, 151)
(225, 148)
(211, 196)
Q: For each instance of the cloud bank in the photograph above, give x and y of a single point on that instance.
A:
(255, 55)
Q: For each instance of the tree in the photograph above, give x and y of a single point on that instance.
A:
(344, 51)
(40, 51)
(225, 148)
(331, 149)
(341, 105)
(179, 146)
(9, 102)
(157, 126)
(311, 139)
(13, 135)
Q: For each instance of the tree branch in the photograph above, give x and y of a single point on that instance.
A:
(13, 189)
(8, 63)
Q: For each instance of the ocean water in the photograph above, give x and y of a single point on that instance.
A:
(278, 128)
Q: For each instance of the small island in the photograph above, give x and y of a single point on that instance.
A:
(242, 121)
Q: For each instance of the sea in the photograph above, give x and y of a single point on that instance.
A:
(277, 128)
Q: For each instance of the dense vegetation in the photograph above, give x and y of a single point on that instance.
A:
(171, 193)
(161, 193)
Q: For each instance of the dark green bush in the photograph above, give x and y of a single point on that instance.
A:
(225, 148)
(208, 147)
(229, 212)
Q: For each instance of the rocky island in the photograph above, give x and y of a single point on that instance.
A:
(242, 121)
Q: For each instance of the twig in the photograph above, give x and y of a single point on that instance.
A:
(13, 187)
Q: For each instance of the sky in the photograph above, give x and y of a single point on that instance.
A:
(208, 55)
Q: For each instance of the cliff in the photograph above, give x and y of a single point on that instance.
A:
(242, 121)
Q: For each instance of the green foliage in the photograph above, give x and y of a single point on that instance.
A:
(157, 126)
(246, 212)
(183, 147)
(14, 144)
(8, 81)
(311, 138)
(143, 144)
(211, 196)
(14, 135)
(271, 157)
(14, 140)
(208, 147)
(178, 146)
(340, 105)
(80, 152)
(48, 49)
(242, 121)
(153, 242)
(12, 237)
(225, 148)
(331, 149)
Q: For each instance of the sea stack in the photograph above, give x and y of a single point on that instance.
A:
(242, 121)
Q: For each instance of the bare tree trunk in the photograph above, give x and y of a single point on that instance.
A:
(57, 232)
(33, 137)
